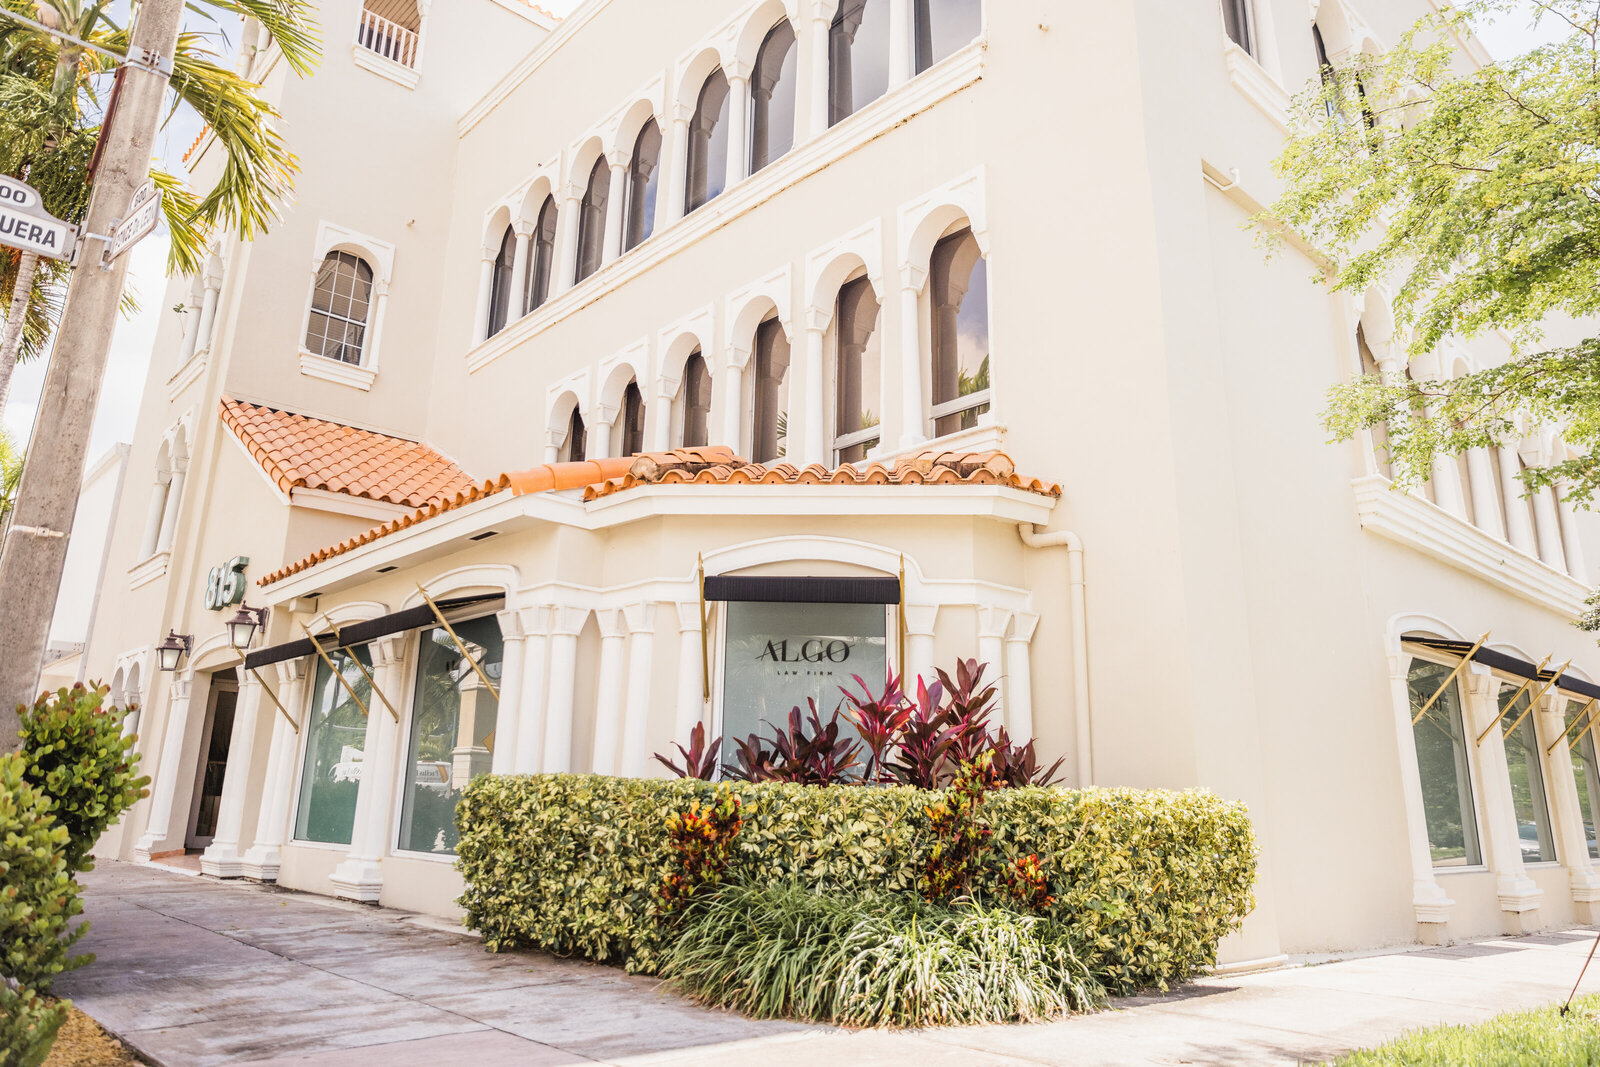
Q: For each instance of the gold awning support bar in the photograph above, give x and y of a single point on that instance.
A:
(460, 644)
(362, 667)
(1533, 700)
(1498, 719)
(1592, 720)
(335, 671)
(705, 641)
(1576, 719)
(274, 698)
(1450, 678)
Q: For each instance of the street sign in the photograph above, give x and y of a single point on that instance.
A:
(25, 224)
(140, 220)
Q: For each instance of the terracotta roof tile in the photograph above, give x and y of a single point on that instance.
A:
(298, 451)
(201, 136)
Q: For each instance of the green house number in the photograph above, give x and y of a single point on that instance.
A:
(225, 584)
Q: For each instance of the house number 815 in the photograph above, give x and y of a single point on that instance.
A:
(225, 585)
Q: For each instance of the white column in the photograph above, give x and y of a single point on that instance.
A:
(641, 620)
(480, 316)
(530, 733)
(563, 667)
(691, 665)
(208, 306)
(659, 417)
(1447, 484)
(602, 430)
(1519, 528)
(1428, 897)
(169, 516)
(1019, 676)
(913, 420)
(616, 207)
(920, 620)
(738, 76)
(1577, 566)
(272, 823)
(191, 327)
(813, 415)
(1549, 524)
(1486, 514)
(1573, 847)
(520, 266)
(380, 304)
(165, 787)
(608, 698)
(669, 199)
(221, 858)
(566, 249)
(902, 61)
(508, 711)
(821, 24)
(1518, 893)
(732, 390)
(360, 876)
(992, 626)
(158, 510)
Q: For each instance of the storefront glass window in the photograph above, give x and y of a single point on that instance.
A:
(1585, 774)
(336, 736)
(1442, 764)
(1534, 832)
(452, 731)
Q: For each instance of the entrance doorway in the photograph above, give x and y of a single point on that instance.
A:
(214, 739)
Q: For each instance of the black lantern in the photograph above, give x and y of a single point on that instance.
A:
(170, 652)
(242, 627)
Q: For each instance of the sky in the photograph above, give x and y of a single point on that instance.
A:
(130, 347)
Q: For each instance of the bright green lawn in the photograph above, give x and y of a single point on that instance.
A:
(1541, 1037)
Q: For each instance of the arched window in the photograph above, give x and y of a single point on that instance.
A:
(1236, 20)
(632, 420)
(770, 421)
(944, 27)
(500, 286)
(592, 220)
(644, 178)
(696, 402)
(339, 306)
(1379, 431)
(708, 143)
(574, 449)
(960, 278)
(857, 372)
(772, 97)
(858, 56)
(544, 256)
(1326, 71)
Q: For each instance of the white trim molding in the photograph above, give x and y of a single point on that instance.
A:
(143, 573)
(337, 371)
(1257, 86)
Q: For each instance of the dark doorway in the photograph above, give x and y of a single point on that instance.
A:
(214, 739)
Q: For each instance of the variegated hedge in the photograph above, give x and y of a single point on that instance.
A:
(1148, 882)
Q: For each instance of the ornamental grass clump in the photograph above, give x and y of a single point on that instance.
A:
(781, 951)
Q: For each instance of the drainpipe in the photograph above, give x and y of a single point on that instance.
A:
(1080, 636)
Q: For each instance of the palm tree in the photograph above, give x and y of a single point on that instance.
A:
(49, 126)
(10, 478)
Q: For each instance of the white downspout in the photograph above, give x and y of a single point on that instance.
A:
(1078, 602)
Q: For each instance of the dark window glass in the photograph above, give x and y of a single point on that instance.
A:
(592, 220)
(696, 402)
(632, 420)
(708, 143)
(1443, 766)
(857, 372)
(772, 97)
(1379, 430)
(944, 27)
(960, 333)
(575, 448)
(1236, 19)
(858, 56)
(338, 326)
(1535, 835)
(1585, 770)
(336, 739)
(770, 425)
(544, 256)
(1330, 77)
(644, 178)
(500, 287)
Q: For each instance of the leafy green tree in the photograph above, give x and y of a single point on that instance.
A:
(10, 477)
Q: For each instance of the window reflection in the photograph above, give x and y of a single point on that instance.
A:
(772, 97)
(339, 303)
(336, 740)
(644, 178)
(708, 143)
(944, 27)
(696, 402)
(1443, 766)
(1528, 799)
(500, 287)
(592, 220)
(544, 256)
(960, 297)
(771, 416)
(858, 56)
(857, 372)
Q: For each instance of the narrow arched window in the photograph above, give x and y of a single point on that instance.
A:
(770, 416)
(960, 278)
(339, 308)
(708, 143)
(500, 285)
(632, 420)
(1236, 21)
(772, 97)
(1379, 430)
(544, 256)
(858, 56)
(574, 449)
(857, 373)
(696, 402)
(592, 220)
(1326, 71)
(644, 178)
(944, 27)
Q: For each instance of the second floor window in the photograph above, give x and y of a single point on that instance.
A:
(644, 178)
(960, 279)
(544, 256)
(592, 220)
(339, 308)
(770, 422)
(772, 97)
(708, 143)
(1236, 20)
(696, 402)
(858, 56)
(500, 287)
(944, 27)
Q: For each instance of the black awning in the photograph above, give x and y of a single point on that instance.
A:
(786, 590)
(1501, 661)
(359, 633)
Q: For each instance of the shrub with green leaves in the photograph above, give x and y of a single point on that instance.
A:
(38, 898)
(28, 1025)
(1146, 883)
(875, 960)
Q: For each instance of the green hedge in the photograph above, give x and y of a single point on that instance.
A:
(1148, 882)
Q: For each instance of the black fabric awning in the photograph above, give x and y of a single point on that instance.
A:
(359, 633)
(786, 590)
(1501, 661)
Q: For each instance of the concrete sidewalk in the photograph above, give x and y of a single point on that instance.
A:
(196, 972)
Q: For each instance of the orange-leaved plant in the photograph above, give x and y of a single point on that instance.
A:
(702, 840)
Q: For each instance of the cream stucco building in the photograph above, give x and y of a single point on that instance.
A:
(877, 332)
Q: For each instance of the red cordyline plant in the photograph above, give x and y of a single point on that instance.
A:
(818, 757)
(699, 759)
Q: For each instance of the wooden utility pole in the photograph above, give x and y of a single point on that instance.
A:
(36, 544)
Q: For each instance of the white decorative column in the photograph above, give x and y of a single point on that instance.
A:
(1486, 513)
(1577, 566)
(669, 201)
(221, 858)
(1518, 893)
(920, 620)
(609, 696)
(566, 250)
(360, 876)
(601, 425)
(272, 823)
(616, 205)
(508, 711)
(1447, 484)
(169, 516)
(156, 839)
(1428, 897)
(992, 626)
(902, 36)
(1573, 849)
(208, 306)
(1019, 676)
(480, 315)
(191, 325)
(732, 389)
(1519, 527)
(818, 45)
(738, 75)
(641, 620)
(149, 543)
(814, 416)
(530, 732)
(913, 423)
(658, 415)
(1549, 525)
(520, 265)
(564, 632)
(691, 664)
